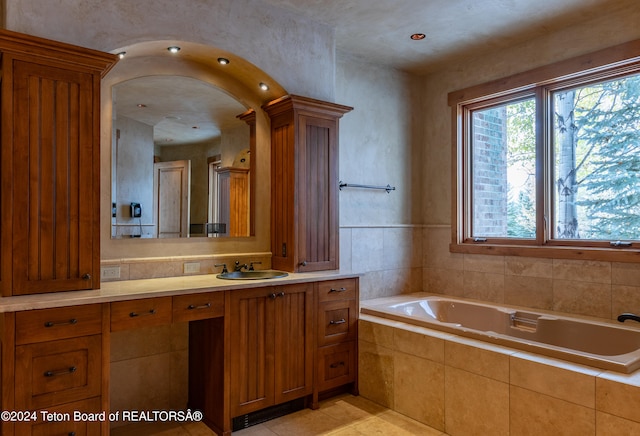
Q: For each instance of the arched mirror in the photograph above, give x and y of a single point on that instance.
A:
(181, 160)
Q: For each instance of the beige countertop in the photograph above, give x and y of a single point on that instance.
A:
(161, 287)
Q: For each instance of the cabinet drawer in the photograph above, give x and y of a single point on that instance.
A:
(337, 322)
(147, 312)
(337, 290)
(57, 372)
(336, 365)
(67, 426)
(59, 323)
(198, 306)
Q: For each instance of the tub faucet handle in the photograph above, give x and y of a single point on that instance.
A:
(625, 316)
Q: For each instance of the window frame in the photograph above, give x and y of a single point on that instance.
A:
(540, 83)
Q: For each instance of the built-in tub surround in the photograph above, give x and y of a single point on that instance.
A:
(580, 340)
(464, 386)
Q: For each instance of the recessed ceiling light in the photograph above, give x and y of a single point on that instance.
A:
(141, 105)
(264, 86)
(173, 49)
(223, 61)
(418, 36)
(122, 54)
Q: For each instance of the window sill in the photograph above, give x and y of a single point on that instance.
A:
(578, 253)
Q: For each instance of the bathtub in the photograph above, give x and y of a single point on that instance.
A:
(595, 343)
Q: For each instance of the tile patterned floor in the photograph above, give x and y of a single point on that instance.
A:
(344, 415)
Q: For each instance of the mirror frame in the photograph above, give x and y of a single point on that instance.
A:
(152, 58)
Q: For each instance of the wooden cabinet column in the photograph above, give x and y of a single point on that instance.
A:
(50, 165)
(304, 183)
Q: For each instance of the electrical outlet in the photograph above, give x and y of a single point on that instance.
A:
(191, 267)
(110, 272)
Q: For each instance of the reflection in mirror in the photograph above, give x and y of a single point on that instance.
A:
(182, 154)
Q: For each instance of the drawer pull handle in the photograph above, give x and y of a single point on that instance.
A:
(337, 364)
(202, 306)
(69, 370)
(86, 277)
(53, 324)
(150, 312)
(340, 321)
(338, 290)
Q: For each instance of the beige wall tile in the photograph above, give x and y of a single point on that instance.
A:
(607, 424)
(583, 298)
(484, 263)
(402, 281)
(372, 285)
(582, 270)
(375, 333)
(402, 247)
(444, 281)
(492, 362)
(141, 384)
(625, 299)
(367, 249)
(484, 286)
(535, 292)
(532, 413)
(178, 379)
(418, 388)
(528, 266)
(141, 342)
(375, 373)
(625, 273)
(345, 249)
(475, 405)
(619, 395)
(436, 249)
(148, 270)
(562, 383)
(419, 345)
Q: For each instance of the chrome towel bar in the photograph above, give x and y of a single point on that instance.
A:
(387, 188)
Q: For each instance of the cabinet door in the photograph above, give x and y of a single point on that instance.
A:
(271, 341)
(252, 354)
(317, 200)
(54, 183)
(293, 341)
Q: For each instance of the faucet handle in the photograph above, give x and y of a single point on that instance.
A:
(253, 263)
(224, 267)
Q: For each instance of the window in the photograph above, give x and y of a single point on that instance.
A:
(548, 161)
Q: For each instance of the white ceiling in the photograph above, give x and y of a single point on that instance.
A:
(379, 30)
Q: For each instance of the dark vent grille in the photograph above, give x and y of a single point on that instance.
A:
(260, 416)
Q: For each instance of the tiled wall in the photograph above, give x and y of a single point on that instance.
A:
(464, 387)
(157, 267)
(149, 369)
(600, 289)
(389, 257)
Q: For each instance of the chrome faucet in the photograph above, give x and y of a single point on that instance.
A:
(625, 316)
(239, 267)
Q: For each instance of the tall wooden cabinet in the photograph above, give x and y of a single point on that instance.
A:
(50, 165)
(304, 183)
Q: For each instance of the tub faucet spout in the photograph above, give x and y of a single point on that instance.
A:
(625, 316)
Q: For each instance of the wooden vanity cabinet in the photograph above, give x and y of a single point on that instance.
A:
(49, 165)
(55, 360)
(337, 336)
(271, 346)
(304, 183)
